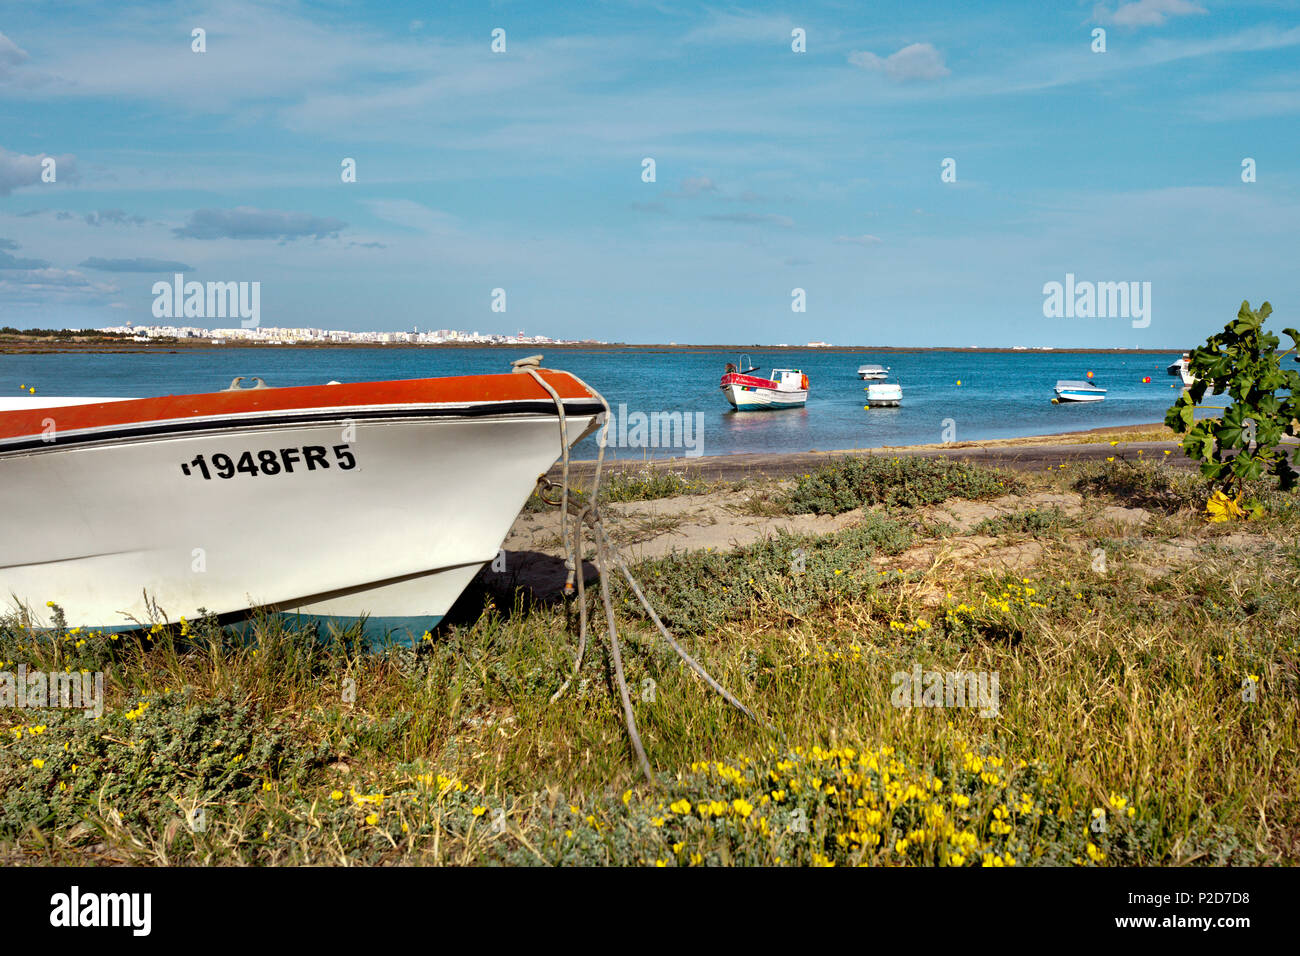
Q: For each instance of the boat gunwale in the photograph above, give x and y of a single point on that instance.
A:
(460, 395)
(197, 427)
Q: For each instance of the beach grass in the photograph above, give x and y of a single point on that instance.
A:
(846, 484)
(1146, 710)
(623, 484)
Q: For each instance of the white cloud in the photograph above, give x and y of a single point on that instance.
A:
(863, 240)
(742, 28)
(63, 286)
(693, 186)
(1145, 13)
(246, 222)
(919, 61)
(9, 261)
(412, 215)
(138, 264)
(18, 170)
(754, 219)
(11, 55)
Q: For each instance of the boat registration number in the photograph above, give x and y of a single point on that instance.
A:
(269, 462)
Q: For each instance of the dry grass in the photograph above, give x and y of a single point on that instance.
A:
(1120, 687)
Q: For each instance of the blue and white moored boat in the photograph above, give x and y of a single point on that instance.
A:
(1073, 391)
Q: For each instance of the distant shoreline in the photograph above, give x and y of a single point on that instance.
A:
(23, 345)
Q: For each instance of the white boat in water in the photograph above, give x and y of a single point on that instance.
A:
(873, 372)
(884, 394)
(331, 502)
(1182, 369)
(787, 388)
(1078, 391)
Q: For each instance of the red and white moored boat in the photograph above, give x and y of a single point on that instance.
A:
(787, 388)
(378, 499)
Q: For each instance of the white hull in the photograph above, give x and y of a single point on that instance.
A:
(756, 398)
(117, 535)
(884, 395)
(1182, 370)
(1067, 396)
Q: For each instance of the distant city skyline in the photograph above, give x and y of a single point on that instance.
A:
(308, 334)
(916, 176)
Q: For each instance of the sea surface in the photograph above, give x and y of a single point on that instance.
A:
(947, 396)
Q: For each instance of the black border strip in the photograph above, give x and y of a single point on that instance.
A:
(538, 406)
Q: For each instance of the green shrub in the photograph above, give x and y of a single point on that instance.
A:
(648, 484)
(142, 763)
(1035, 521)
(1142, 484)
(778, 578)
(907, 481)
(1244, 360)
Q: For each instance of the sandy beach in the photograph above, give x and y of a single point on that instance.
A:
(1022, 454)
(731, 511)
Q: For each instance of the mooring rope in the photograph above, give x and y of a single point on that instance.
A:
(582, 610)
(681, 651)
(607, 556)
(531, 365)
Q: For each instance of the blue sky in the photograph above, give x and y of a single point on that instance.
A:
(775, 170)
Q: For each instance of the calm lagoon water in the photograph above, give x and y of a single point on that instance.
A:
(1001, 395)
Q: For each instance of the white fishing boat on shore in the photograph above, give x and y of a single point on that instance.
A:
(330, 503)
(1078, 391)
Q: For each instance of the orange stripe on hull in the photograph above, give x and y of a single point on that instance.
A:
(458, 390)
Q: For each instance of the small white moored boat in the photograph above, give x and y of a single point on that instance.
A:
(873, 372)
(884, 394)
(1182, 369)
(1074, 391)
